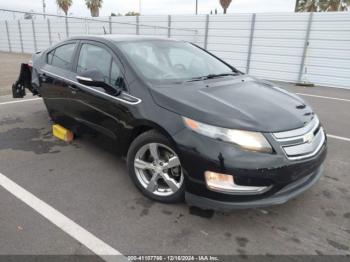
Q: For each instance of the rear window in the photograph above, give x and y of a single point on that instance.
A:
(62, 56)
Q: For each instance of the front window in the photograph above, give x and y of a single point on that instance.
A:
(168, 60)
(93, 57)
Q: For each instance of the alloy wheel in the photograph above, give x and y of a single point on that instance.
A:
(158, 169)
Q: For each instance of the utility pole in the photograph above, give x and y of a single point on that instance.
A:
(196, 7)
(44, 9)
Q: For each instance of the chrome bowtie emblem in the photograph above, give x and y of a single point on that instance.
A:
(308, 138)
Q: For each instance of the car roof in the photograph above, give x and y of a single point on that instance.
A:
(122, 38)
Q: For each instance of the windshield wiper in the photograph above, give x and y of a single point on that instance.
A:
(211, 76)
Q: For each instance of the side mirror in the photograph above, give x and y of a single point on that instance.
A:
(96, 79)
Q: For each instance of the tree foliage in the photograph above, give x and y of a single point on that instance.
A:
(321, 5)
(64, 5)
(132, 13)
(225, 4)
(94, 6)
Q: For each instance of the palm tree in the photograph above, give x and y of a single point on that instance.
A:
(303, 5)
(94, 6)
(344, 5)
(225, 4)
(64, 5)
(132, 13)
(321, 5)
(334, 5)
(311, 6)
(308, 6)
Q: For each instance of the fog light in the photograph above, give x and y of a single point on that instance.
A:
(218, 181)
(226, 184)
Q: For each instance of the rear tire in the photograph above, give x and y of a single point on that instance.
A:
(155, 168)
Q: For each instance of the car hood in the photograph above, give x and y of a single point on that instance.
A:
(240, 102)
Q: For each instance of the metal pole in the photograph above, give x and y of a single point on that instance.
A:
(44, 9)
(206, 32)
(20, 36)
(34, 36)
(86, 26)
(67, 29)
(169, 26)
(196, 7)
(251, 38)
(49, 31)
(306, 45)
(8, 36)
(137, 25)
(110, 24)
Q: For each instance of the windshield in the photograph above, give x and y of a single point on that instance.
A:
(168, 60)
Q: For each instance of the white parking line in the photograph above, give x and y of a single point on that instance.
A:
(19, 101)
(339, 137)
(325, 97)
(93, 243)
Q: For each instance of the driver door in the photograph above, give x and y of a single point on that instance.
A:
(97, 108)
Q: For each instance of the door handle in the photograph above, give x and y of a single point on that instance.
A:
(43, 77)
(73, 88)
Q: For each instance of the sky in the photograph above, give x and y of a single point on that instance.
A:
(154, 7)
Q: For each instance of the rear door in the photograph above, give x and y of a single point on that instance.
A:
(57, 80)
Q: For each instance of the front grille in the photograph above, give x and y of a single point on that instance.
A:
(302, 142)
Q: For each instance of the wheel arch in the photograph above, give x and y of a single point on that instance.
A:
(143, 127)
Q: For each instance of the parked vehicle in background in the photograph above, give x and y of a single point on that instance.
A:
(190, 124)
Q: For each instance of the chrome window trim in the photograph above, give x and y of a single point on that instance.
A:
(97, 91)
(297, 134)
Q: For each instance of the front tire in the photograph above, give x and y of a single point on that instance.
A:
(155, 168)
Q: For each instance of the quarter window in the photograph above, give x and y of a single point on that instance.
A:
(62, 56)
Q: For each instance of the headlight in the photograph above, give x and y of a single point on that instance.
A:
(249, 140)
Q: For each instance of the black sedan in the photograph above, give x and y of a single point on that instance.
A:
(191, 125)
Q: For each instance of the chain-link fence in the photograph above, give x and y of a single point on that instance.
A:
(292, 47)
(29, 32)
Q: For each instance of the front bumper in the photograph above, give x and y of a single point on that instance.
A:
(288, 192)
(286, 178)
